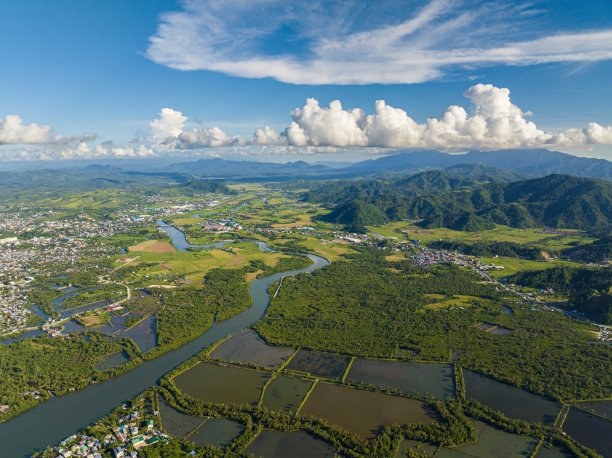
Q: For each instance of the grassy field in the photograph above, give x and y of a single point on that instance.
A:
(194, 265)
(408, 231)
(514, 265)
(153, 246)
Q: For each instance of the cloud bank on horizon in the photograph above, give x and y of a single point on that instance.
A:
(494, 122)
(330, 42)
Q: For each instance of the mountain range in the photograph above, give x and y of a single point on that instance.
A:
(555, 201)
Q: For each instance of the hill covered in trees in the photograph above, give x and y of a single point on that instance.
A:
(203, 186)
(556, 201)
(599, 250)
(589, 290)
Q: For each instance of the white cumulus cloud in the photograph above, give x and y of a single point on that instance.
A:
(169, 124)
(13, 131)
(494, 122)
(491, 121)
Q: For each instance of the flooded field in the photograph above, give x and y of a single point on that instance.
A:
(217, 432)
(112, 361)
(176, 423)
(363, 412)
(601, 408)
(249, 347)
(321, 364)
(421, 447)
(423, 378)
(513, 402)
(222, 384)
(492, 442)
(590, 430)
(277, 444)
(284, 394)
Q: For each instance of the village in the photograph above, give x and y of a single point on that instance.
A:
(130, 434)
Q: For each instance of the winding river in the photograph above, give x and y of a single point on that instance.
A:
(60, 417)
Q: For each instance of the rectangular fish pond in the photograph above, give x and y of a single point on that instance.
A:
(423, 378)
(175, 423)
(285, 394)
(363, 412)
(278, 444)
(601, 408)
(511, 401)
(222, 384)
(492, 443)
(594, 432)
(217, 432)
(249, 347)
(319, 364)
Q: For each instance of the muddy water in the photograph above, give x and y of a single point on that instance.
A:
(511, 401)
(363, 412)
(592, 431)
(284, 394)
(277, 444)
(112, 361)
(423, 378)
(249, 347)
(601, 408)
(492, 442)
(143, 334)
(176, 423)
(217, 432)
(321, 364)
(222, 384)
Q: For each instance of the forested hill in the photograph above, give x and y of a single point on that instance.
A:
(428, 182)
(203, 186)
(556, 201)
(597, 251)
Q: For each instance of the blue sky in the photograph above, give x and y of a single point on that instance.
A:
(227, 68)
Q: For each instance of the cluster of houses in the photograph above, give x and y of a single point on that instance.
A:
(43, 244)
(221, 225)
(125, 440)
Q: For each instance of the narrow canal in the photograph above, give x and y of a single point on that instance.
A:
(60, 417)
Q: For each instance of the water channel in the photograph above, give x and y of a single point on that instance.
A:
(60, 417)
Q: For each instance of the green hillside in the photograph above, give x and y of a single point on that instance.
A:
(555, 201)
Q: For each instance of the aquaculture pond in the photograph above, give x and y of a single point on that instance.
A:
(422, 447)
(217, 432)
(319, 364)
(143, 334)
(423, 378)
(222, 384)
(553, 452)
(513, 402)
(277, 444)
(284, 394)
(601, 408)
(592, 431)
(363, 412)
(492, 442)
(249, 347)
(113, 361)
(33, 333)
(175, 423)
